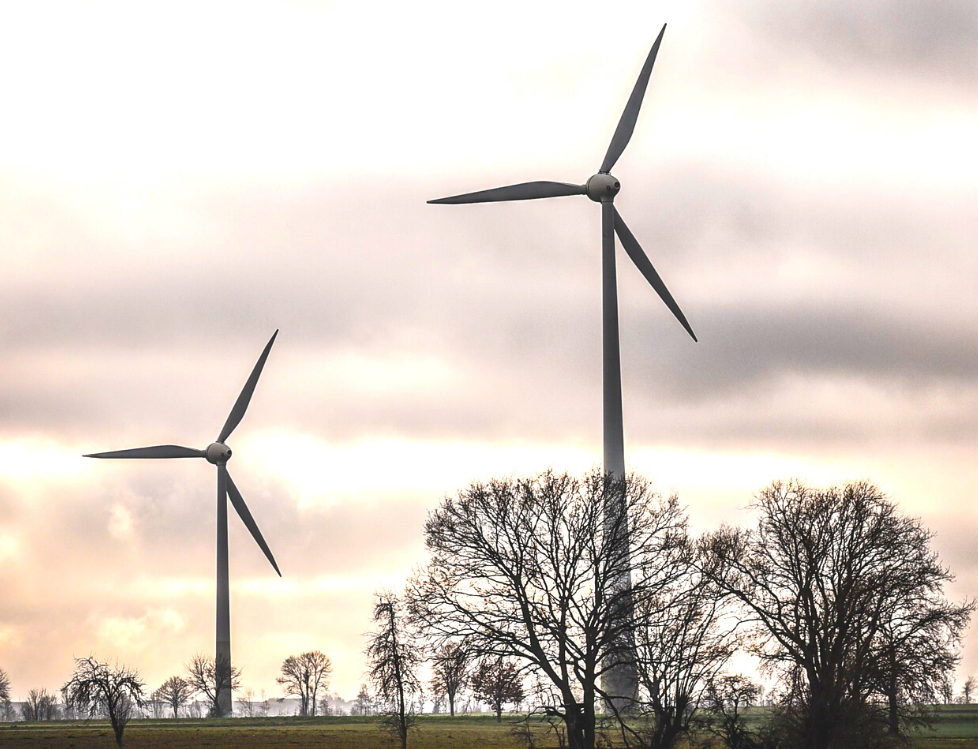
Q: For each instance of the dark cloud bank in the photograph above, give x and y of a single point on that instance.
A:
(504, 300)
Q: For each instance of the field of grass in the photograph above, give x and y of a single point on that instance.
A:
(433, 732)
(956, 728)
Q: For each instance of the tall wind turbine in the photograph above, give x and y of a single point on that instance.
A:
(602, 188)
(218, 454)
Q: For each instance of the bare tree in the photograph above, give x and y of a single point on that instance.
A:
(247, 701)
(497, 682)
(306, 676)
(726, 700)
(947, 689)
(450, 671)
(817, 581)
(175, 692)
(156, 704)
(968, 690)
(294, 680)
(682, 641)
(915, 651)
(394, 659)
(212, 679)
(263, 705)
(6, 707)
(96, 688)
(39, 705)
(363, 704)
(530, 569)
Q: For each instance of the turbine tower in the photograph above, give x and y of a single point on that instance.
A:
(620, 682)
(218, 453)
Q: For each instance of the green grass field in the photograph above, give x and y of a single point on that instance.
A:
(956, 728)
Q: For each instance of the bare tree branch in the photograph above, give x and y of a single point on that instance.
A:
(845, 601)
(530, 569)
(96, 688)
(394, 658)
(212, 679)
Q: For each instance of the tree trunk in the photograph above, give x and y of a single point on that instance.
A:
(891, 697)
(821, 722)
(587, 715)
(893, 717)
(401, 707)
(451, 704)
(402, 726)
(578, 735)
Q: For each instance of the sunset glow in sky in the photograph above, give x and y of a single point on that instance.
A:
(178, 180)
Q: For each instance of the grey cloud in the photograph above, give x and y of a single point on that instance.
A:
(503, 299)
(930, 39)
(742, 346)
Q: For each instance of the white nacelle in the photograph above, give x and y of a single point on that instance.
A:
(218, 453)
(602, 187)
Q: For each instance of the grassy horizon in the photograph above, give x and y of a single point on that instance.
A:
(956, 726)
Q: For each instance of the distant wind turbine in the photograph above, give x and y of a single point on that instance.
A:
(218, 454)
(602, 188)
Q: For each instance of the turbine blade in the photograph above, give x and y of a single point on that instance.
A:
(239, 504)
(626, 125)
(522, 191)
(241, 405)
(642, 262)
(156, 451)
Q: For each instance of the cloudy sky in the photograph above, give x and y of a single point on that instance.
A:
(178, 180)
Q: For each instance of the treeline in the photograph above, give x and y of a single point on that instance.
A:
(98, 689)
(561, 582)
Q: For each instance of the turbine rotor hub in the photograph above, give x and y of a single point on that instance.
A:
(602, 187)
(218, 453)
